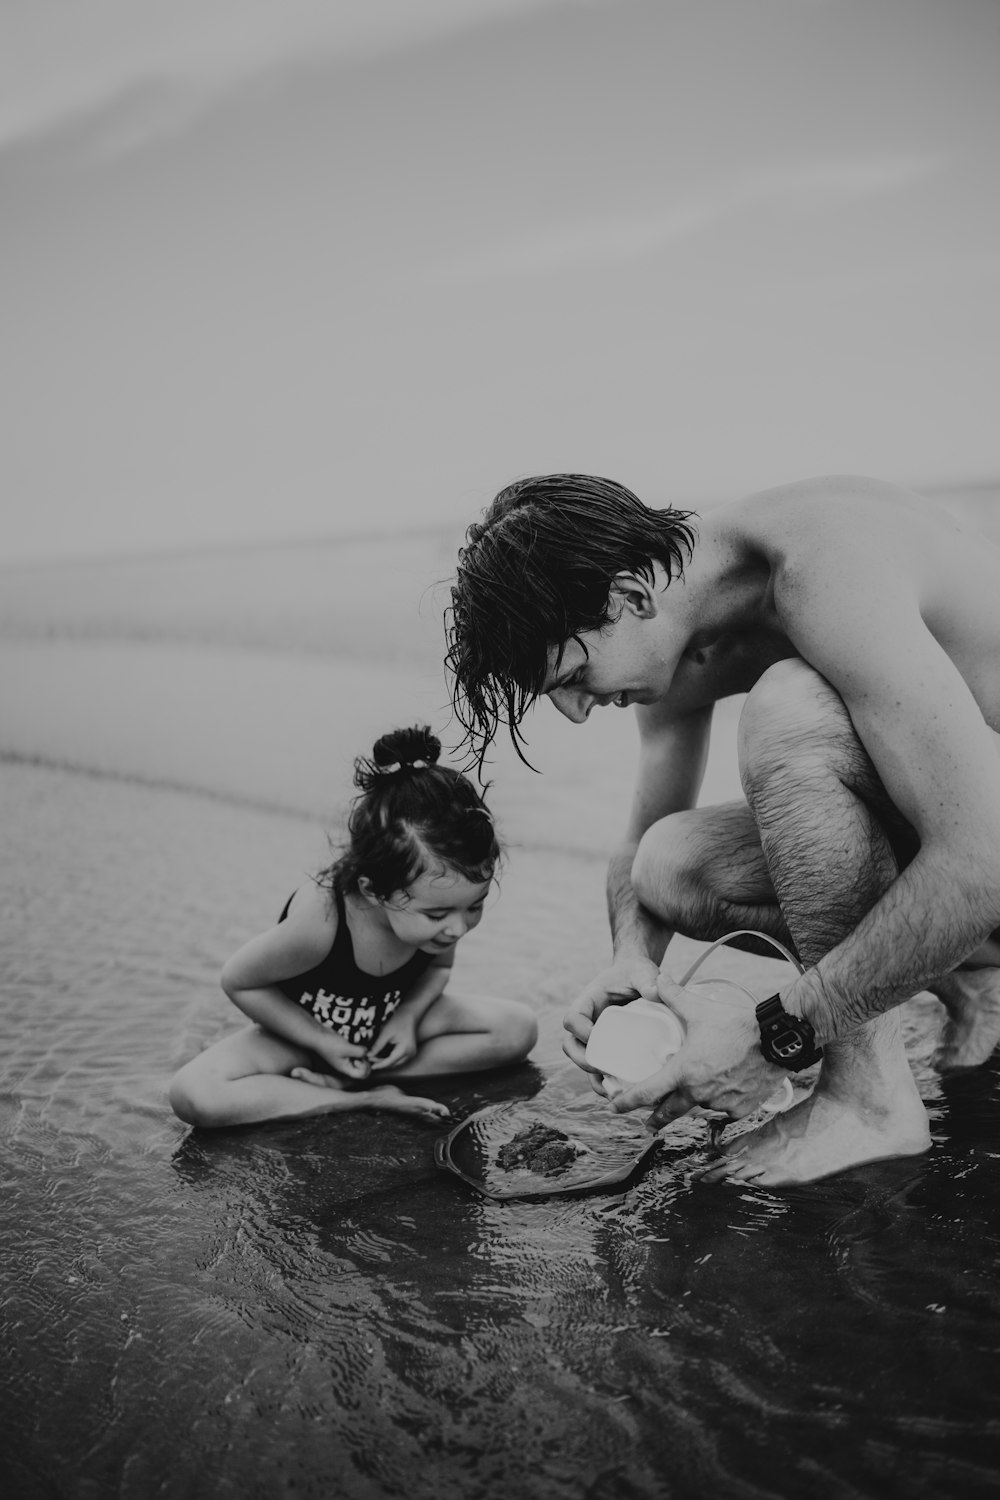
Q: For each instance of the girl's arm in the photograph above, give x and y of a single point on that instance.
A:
(251, 976)
(396, 1043)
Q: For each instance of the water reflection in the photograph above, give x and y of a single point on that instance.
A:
(315, 1305)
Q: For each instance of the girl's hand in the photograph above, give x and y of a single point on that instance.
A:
(395, 1044)
(344, 1057)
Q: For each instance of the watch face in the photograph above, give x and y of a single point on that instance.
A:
(787, 1044)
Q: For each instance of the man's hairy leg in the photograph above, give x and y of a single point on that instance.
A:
(971, 996)
(813, 791)
(702, 874)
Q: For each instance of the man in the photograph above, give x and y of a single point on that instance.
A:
(863, 623)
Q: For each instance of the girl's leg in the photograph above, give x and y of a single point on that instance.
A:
(246, 1077)
(468, 1034)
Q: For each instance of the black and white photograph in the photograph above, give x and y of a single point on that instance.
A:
(500, 749)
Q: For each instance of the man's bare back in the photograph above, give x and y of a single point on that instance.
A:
(874, 547)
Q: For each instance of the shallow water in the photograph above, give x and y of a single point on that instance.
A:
(314, 1308)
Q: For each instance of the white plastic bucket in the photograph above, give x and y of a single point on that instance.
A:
(629, 1042)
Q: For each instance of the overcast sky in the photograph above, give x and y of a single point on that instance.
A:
(282, 268)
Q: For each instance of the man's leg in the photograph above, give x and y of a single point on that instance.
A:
(702, 873)
(807, 880)
(971, 996)
(822, 857)
(828, 834)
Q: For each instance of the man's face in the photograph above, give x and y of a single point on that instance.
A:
(602, 668)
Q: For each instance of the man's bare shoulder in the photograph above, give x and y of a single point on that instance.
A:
(825, 502)
(851, 527)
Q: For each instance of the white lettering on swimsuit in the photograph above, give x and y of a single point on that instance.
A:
(345, 1016)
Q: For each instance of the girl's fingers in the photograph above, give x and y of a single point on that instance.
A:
(392, 1059)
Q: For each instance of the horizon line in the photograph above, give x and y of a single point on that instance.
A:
(176, 552)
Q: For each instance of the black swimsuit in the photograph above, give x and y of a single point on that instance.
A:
(342, 997)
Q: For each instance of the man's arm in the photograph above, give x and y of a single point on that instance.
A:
(672, 756)
(937, 758)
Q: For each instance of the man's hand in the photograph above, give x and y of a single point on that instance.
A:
(344, 1057)
(720, 1066)
(395, 1044)
(627, 979)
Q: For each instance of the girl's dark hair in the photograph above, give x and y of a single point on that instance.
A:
(535, 573)
(410, 815)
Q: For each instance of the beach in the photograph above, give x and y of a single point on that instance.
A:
(314, 1307)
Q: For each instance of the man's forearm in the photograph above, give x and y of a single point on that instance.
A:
(925, 924)
(633, 928)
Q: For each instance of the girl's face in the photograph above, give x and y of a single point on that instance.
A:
(437, 909)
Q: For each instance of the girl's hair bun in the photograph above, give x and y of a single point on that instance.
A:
(395, 754)
(405, 747)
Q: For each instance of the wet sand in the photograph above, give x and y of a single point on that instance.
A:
(315, 1307)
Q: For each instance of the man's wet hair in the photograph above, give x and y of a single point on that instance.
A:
(535, 573)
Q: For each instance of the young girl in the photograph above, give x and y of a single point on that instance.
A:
(350, 987)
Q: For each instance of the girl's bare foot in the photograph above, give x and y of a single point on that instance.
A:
(321, 1080)
(386, 1096)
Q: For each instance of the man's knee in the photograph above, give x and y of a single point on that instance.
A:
(791, 713)
(667, 863)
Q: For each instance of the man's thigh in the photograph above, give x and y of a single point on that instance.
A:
(794, 724)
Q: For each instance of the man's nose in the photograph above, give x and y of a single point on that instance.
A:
(573, 704)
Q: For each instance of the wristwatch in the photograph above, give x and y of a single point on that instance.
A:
(788, 1041)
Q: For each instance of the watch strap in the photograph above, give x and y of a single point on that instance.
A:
(787, 1041)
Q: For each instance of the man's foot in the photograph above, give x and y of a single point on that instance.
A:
(822, 1135)
(972, 1031)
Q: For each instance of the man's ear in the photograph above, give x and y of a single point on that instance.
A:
(632, 592)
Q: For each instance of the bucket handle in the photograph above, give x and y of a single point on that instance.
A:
(740, 932)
